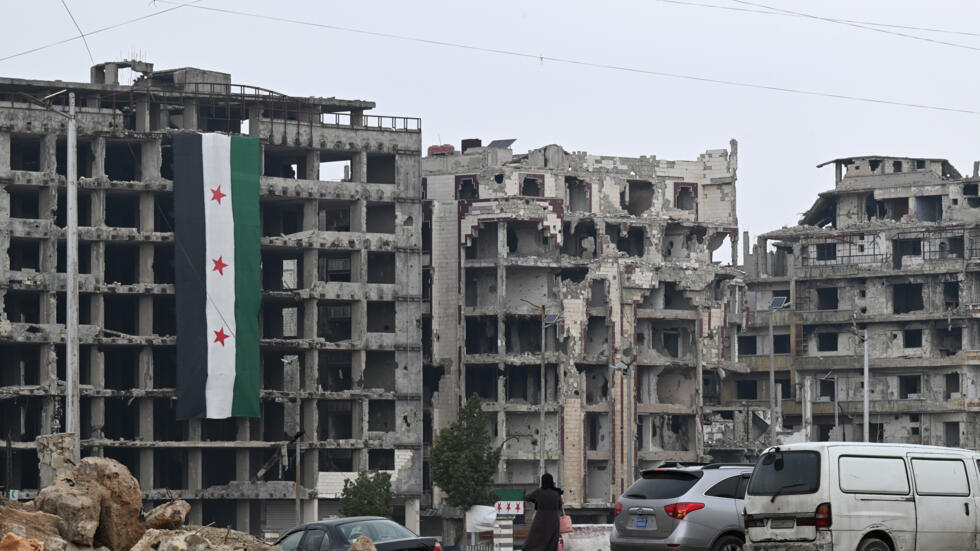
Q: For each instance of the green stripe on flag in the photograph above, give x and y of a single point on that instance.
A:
(245, 166)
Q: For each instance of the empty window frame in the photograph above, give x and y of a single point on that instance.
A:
(827, 342)
(780, 344)
(909, 386)
(912, 338)
(747, 389)
(907, 297)
(467, 187)
(532, 185)
(826, 251)
(747, 345)
(827, 298)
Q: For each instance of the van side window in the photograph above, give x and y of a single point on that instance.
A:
(743, 483)
(873, 475)
(943, 477)
(725, 488)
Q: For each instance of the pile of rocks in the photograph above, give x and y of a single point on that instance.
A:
(97, 505)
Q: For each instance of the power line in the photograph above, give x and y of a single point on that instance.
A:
(97, 31)
(860, 26)
(769, 12)
(569, 61)
(80, 33)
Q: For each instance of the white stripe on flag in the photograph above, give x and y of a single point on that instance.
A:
(219, 243)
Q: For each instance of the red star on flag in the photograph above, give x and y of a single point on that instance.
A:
(216, 194)
(518, 507)
(219, 266)
(508, 506)
(499, 506)
(220, 336)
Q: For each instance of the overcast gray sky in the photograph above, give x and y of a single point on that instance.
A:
(463, 93)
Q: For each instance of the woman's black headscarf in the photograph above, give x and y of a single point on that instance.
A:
(548, 483)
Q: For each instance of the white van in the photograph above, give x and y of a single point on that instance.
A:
(863, 497)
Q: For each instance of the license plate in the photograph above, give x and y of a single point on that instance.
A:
(782, 523)
(645, 523)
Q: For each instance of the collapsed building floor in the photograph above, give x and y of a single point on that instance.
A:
(892, 253)
(340, 341)
(622, 254)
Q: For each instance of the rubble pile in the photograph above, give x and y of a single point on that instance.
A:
(97, 506)
(200, 538)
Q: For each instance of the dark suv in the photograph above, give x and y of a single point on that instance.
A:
(683, 508)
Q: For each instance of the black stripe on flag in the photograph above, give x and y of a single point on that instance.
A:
(189, 265)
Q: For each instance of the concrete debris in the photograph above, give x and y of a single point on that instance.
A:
(13, 542)
(99, 503)
(168, 516)
(362, 543)
(200, 538)
(16, 519)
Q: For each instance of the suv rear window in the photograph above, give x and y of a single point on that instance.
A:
(784, 473)
(661, 485)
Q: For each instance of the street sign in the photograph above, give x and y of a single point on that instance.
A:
(509, 507)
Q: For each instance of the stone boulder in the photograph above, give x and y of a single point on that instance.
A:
(13, 542)
(98, 502)
(169, 516)
(20, 520)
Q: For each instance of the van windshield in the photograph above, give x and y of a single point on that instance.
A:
(784, 473)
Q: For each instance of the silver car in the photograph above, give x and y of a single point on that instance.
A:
(683, 508)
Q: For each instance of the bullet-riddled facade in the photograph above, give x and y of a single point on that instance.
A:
(891, 251)
(340, 275)
(631, 259)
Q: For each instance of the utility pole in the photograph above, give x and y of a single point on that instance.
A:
(777, 303)
(772, 384)
(541, 431)
(72, 424)
(867, 384)
(541, 436)
(71, 283)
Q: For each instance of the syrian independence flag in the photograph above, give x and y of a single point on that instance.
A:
(216, 253)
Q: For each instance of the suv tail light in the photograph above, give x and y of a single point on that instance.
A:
(681, 510)
(822, 518)
(437, 547)
(619, 508)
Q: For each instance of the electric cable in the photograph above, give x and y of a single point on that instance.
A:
(582, 63)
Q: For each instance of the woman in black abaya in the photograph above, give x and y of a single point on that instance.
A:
(543, 535)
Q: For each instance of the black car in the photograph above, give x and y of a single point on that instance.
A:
(338, 534)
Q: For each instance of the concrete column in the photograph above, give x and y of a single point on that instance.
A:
(356, 117)
(243, 472)
(312, 165)
(254, 121)
(98, 160)
(413, 513)
(195, 477)
(190, 115)
(143, 114)
(807, 403)
(151, 158)
(145, 328)
(4, 151)
(49, 153)
(358, 167)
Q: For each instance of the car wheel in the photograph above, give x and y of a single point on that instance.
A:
(728, 543)
(873, 544)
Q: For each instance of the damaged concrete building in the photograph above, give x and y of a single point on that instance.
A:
(640, 314)
(340, 334)
(892, 252)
